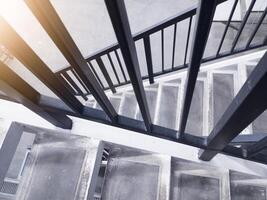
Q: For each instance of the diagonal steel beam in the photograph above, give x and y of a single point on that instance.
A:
(256, 148)
(16, 88)
(51, 22)
(204, 17)
(248, 104)
(119, 19)
(15, 44)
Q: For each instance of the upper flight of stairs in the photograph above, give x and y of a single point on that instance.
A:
(217, 84)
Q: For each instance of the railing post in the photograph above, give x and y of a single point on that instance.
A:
(149, 59)
(119, 19)
(106, 75)
(51, 22)
(205, 13)
(247, 105)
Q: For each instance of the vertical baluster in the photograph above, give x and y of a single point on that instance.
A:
(173, 45)
(96, 75)
(105, 73)
(187, 40)
(257, 27)
(119, 61)
(74, 85)
(243, 23)
(113, 68)
(162, 49)
(149, 59)
(227, 26)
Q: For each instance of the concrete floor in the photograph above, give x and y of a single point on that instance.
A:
(59, 167)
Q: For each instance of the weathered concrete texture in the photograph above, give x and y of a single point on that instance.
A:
(151, 96)
(116, 103)
(198, 187)
(129, 105)
(56, 174)
(250, 68)
(195, 119)
(260, 124)
(190, 181)
(168, 107)
(247, 187)
(26, 141)
(130, 180)
(247, 192)
(223, 94)
(60, 166)
(215, 37)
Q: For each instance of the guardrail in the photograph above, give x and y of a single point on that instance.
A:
(114, 65)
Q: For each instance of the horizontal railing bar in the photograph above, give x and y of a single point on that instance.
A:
(148, 31)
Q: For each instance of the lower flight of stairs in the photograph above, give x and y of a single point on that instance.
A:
(133, 174)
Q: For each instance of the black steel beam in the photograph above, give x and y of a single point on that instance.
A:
(16, 45)
(205, 13)
(248, 104)
(49, 19)
(16, 88)
(99, 116)
(119, 19)
(8, 149)
(248, 138)
(256, 148)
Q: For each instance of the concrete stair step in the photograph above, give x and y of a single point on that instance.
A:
(129, 105)
(247, 187)
(151, 96)
(166, 115)
(115, 101)
(195, 119)
(221, 95)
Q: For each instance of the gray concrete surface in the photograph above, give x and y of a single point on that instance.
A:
(195, 119)
(17, 163)
(130, 180)
(151, 96)
(197, 187)
(247, 187)
(168, 107)
(129, 105)
(223, 94)
(59, 167)
(57, 172)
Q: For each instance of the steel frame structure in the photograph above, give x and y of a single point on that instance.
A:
(251, 98)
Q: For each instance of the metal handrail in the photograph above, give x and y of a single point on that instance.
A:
(71, 78)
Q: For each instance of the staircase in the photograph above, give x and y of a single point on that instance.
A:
(216, 86)
(69, 166)
(133, 174)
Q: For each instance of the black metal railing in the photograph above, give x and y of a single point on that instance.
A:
(94, 75)
(114, 65)
(113, 54)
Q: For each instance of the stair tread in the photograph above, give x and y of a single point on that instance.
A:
(151, 101)
(223, 94)
(167, 112)
(195, 119)
(129, 105)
